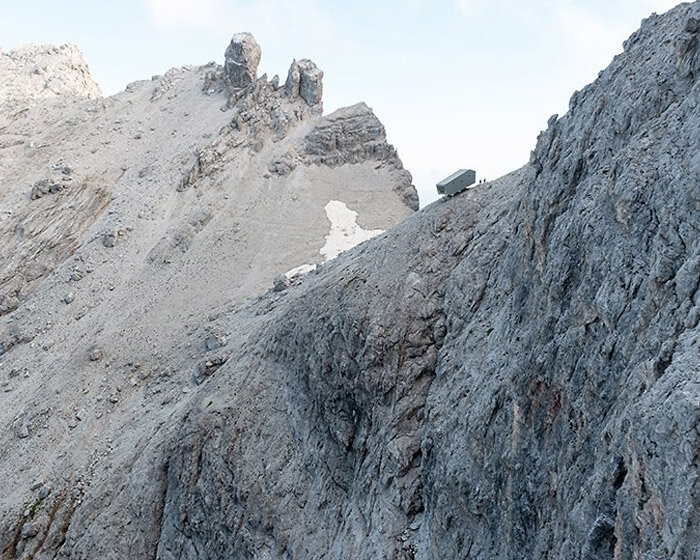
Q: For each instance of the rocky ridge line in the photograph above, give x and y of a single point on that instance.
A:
(259, 116)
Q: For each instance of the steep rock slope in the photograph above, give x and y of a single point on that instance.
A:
(509, 373)
(574, 358)
(126, 221)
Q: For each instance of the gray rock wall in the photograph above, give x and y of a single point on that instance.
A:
(510, 373)
(348, 136)
(305, 80)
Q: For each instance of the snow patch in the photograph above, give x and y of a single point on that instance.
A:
(300, 270)
(344, 235)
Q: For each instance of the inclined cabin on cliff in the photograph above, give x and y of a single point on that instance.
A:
(457, 182)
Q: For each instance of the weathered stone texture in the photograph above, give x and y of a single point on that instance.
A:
(511, 373)
(35, 72)
(242, 59)
(349, 135)
(305, 80)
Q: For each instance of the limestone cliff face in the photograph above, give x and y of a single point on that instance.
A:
(511, 373)
(570, 361)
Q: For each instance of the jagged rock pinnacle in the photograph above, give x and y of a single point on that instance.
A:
(305, 80)
(242, 59)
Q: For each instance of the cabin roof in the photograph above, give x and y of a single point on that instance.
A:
(455, 175)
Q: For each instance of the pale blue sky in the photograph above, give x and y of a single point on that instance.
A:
(457, 83)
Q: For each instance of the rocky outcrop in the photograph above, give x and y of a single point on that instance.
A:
(54, 184)
(350, 135)
(305, 80)
(689, 50)
(242, 59)
(261, 115)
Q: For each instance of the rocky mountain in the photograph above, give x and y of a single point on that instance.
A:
(126, 222)
(508, 373)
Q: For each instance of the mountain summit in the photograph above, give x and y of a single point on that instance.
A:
(36, 72)
(509, 373)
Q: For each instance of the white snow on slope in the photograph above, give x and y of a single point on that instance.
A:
(344, 234)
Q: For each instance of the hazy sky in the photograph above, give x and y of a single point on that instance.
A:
(457, 83)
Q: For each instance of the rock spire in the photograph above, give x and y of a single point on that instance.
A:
(242, 59)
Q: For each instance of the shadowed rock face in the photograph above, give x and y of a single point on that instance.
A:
(511, 373)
